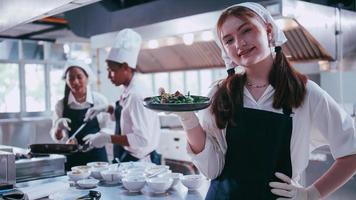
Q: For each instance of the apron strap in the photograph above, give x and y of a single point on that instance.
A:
(287, 111)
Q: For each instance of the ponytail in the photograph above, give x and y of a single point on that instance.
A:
(66, 96)
(289, 84)
(228, 99)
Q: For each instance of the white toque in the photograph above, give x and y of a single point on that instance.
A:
(126, 48)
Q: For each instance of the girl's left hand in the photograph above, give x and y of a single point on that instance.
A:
(291, 190)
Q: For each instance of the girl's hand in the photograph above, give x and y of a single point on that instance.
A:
(291, 190)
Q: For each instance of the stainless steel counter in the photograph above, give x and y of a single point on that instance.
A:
(40, 167)
(109, 192)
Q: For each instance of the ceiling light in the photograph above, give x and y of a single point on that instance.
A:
(153, 44)
(188, 38)
(207, 36)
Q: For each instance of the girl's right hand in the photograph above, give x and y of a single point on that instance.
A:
(72, 141)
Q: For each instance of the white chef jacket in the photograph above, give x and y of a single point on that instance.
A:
(139, 124)
(105, 123)
(319, 121)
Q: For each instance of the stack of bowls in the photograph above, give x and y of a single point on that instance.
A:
(111, 176)
(96, 168)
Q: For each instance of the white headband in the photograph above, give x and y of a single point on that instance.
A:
(83, 66)
(278, 37)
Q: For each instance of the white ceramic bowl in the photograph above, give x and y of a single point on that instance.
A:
(175, 176)
(77, 175)
(126, 165)
(111, 176)
(81, 168)
(156, 168)
(192, 182)
(133, 174)
(113, 166)
(159, 184)
(143, 164)
(96, 171)
(88, 183)
(134, 183)
(135, 170)
(98, 164)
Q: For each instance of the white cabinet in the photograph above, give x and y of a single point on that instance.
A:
(173, 145)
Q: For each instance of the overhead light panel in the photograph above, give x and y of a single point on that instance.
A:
(207, 36)
(188, 39)
(153, 44)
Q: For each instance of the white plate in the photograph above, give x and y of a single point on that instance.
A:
(88, 183)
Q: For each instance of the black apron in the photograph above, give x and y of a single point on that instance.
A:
(92, 127)
(258, 146)
(119, 151)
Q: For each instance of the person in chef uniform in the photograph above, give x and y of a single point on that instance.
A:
(137, 129)
(70, 112)
(255, 138)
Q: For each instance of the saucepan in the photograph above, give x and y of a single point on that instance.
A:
(59, 148)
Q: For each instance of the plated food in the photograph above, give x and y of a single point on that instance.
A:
(176, 102)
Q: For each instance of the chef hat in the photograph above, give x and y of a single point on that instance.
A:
(126, 48)
(82, 65)
(278, 37)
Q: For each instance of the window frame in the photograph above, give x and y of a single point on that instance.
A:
(21, 62)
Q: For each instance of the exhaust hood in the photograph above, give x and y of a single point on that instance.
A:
(14, 13)
(316, 34)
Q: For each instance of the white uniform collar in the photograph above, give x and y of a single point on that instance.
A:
(266, 94)
(89, 98)
(128, 88)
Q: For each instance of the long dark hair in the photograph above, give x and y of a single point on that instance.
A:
(289, 84)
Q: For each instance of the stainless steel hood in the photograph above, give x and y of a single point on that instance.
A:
(18, 12)
(315, 33)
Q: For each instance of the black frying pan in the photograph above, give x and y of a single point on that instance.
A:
(57, 148)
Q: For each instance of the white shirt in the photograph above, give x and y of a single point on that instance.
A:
(105, 123)
(319, 121)
(139, 124)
